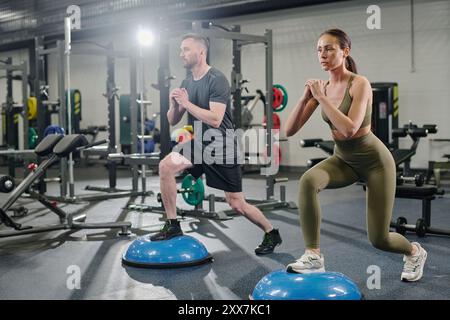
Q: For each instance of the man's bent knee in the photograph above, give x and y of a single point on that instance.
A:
(172, 164)
(165, 167)
(237, 205)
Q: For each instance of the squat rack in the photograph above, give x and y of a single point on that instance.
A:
(111, 54)
(11, 110)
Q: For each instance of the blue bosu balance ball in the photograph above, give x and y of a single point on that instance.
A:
(281, 285)
(180, 251)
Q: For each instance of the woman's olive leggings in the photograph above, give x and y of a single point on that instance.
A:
(365, 158)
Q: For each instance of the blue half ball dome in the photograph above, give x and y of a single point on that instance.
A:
(180, 251)
(281, 285)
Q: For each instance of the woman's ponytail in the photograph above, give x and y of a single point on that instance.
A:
(350, 64)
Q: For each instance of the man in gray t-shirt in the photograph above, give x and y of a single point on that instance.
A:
(219, 144)
(205, 95)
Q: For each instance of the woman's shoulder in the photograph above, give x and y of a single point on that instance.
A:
(360, 79)
(360, 83)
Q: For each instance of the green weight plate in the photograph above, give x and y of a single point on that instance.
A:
(285, 98)
(195, 190)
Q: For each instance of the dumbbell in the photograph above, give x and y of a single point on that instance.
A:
(418, 180)
(6, 184)
(400, 225)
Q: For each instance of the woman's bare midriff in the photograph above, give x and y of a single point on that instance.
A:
(361, 132)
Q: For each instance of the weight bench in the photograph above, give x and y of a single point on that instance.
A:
(54, 147)
(426, 193)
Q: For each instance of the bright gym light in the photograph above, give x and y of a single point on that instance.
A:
(145, 37)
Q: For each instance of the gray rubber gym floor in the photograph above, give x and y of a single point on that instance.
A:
(41, 266)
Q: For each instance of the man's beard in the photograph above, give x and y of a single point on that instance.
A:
(190, 64)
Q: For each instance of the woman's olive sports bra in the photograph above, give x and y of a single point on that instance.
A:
(346, 104)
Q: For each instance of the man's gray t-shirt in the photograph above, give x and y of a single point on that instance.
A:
(220, 143)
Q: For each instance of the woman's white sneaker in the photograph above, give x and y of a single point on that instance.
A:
(413, 268)
(309, 262)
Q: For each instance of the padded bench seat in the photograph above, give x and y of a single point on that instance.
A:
(45, 147)
(415, 192)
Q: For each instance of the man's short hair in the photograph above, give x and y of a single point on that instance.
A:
(197, 37)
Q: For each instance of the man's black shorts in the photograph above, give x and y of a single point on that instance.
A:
(226, 177)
